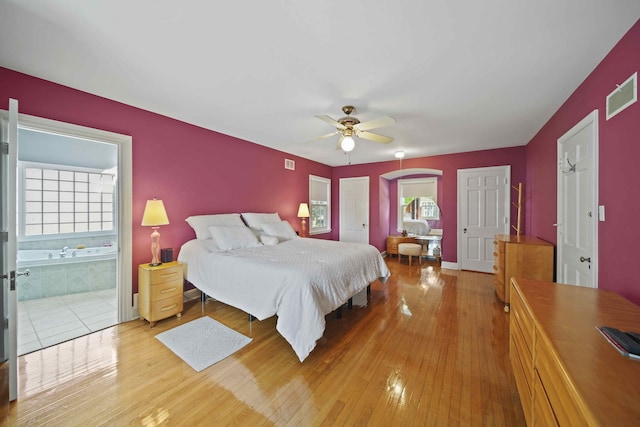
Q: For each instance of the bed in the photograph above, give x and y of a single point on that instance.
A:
(264, 269)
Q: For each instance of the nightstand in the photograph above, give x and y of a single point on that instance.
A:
(160, 291)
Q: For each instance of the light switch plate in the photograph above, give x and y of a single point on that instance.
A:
(601, 213)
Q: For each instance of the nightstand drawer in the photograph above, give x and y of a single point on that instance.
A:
(167, 307)
(165, 290)
(165, 274)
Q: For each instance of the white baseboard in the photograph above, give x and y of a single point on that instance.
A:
(135, 314)
(450, 265)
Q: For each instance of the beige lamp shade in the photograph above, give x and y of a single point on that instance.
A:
(154, 214)
(303, 210)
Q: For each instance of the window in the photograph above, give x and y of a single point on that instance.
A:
(320, 204)
(63, 199)
(417, 199)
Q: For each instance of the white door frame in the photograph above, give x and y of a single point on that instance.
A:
(124, 186)
(590, 119)
(506, 226)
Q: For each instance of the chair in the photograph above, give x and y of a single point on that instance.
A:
(410, 250)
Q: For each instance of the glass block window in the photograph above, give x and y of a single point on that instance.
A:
(61, 201)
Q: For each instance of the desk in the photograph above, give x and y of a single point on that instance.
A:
(394, 241)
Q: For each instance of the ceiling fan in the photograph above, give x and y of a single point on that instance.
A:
(350, 126)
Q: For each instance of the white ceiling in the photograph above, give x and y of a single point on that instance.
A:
(456, 75)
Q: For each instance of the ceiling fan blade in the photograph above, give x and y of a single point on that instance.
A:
(375, 137)
(375, 123)
(329, 135)
(329, 120)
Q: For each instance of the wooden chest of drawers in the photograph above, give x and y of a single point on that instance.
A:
(394, 241)
(160, 291)
(566, 373)
(520, 256)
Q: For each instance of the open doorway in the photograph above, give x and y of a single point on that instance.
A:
(67, 238)
(73, 231)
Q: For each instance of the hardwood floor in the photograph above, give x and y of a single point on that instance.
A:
(431, 348)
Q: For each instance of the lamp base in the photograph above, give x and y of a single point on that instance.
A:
(151, 264)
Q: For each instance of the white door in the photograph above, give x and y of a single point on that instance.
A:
(483, 211)
(9, 365)
(577, 223)
(354, 209)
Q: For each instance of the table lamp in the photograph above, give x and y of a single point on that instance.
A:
(154, 216)
(303, 212)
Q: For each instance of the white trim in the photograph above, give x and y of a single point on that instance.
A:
(125, 192)
(412, 171)
(327, 182)
(450, 265)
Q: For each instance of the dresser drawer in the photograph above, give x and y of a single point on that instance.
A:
(522, 381)
(165, 274)
(542, 411)
(522, 321)
(560, 398)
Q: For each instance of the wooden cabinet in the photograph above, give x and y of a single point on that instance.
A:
(394, 241)
(520, 256)
(160, 291)
(566, 373)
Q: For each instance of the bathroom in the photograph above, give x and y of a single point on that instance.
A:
(67, 238)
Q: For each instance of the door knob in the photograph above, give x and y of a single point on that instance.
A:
(583, 259)
(464, 230)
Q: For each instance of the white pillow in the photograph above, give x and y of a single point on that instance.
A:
(269, 240)
(201, 223)
(255, 220)
(234, 237)
(282, 230)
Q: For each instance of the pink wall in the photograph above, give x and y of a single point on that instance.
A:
(193, 170)
(200, 171)
(382, 194)
(619, 176)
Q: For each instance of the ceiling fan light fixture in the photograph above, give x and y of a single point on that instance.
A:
(347, 143)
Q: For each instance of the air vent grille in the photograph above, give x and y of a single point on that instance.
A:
(623, 96)
(290, 164)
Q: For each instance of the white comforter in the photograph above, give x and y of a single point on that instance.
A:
(300, 280)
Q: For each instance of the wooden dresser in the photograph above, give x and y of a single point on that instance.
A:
(565, 371)
(394, 241)
(160, 290)
(520, 256)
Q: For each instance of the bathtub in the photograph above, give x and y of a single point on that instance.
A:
(39, 257)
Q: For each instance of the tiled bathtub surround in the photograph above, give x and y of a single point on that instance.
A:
(64, 279)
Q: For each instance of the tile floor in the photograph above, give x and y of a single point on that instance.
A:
(49, 321)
